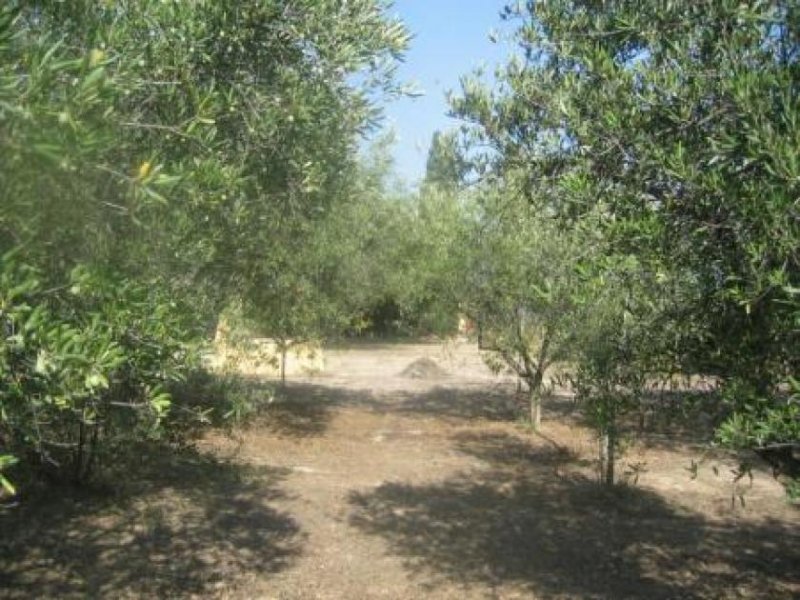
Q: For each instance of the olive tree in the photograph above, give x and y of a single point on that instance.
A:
(158, 161)
(522, 286)
(671, 128)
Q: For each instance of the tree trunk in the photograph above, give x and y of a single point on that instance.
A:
(283, 364)
(535, 381)
(611, 455)
(535, 396)
(78, 457)
(93, 449)
(211, 325)
(608, 443)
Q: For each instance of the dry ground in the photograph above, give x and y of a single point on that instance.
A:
(368, 482)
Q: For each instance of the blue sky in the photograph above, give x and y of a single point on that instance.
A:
(451, 39)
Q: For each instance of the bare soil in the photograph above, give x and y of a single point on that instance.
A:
(371, 481)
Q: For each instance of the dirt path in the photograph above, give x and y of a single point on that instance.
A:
(378, 480)
(411, 477)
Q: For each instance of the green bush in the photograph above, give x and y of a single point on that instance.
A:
(761, 422)
(160, 161)
(85, 367)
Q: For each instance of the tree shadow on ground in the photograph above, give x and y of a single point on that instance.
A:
(306, 409)
(519, 524)
(502, 449)
(561, 405)
(457, 404)
(178, 524)
(303, 410)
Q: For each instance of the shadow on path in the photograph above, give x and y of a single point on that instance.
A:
(302, 410)
(509, 451)
(184, 524)
(519, 524)
(457, 403)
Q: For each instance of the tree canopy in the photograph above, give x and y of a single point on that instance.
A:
(158, 162)
(670, 131)
(620, 205)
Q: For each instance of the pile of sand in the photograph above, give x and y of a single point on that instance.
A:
(423, 368)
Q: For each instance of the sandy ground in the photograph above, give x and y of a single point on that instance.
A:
(405, 471)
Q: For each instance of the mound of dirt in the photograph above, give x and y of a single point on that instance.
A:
(423, 368)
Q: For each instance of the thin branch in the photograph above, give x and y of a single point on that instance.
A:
(778, 446)
(157, 127)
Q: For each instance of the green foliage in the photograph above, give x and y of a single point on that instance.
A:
(762, 422)
(445, 167)
(160, 161)
(225, 400)
(522, 285)
(85, 370)
(669, 132)
(393, 256)
(793, 491)
(6, 461)
(617, 355)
